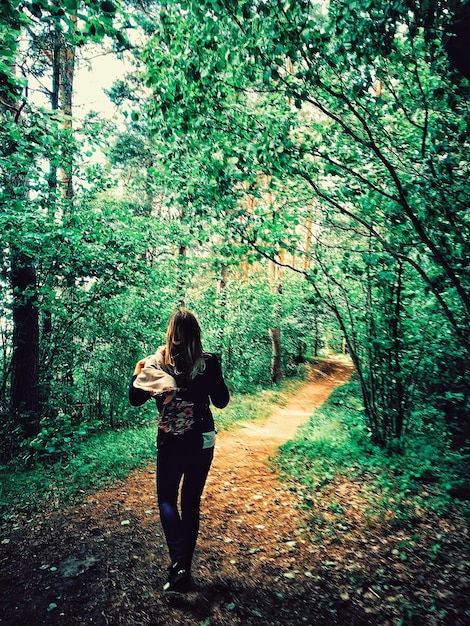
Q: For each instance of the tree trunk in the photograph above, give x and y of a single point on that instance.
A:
(46, 324)
(66, 77)
(181, 278)
(397, 348)
(316, 336)
(24, 399)
(276, 366)
(24, 403)
(63, 64)
(221, 308)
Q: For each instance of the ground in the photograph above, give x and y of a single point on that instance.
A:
(262, 557)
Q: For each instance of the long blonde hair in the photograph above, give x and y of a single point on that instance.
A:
(183, 350)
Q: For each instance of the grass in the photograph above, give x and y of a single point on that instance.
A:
(100, 461)
(423, 474)
(108, 457)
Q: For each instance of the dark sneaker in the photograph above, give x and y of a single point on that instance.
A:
(179, 579)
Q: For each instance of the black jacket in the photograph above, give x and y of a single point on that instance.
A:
(208, 386)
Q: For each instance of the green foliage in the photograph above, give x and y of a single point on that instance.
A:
(118, 272)
(247, 347)
(58, 436)
(331, 141)
(51, 256)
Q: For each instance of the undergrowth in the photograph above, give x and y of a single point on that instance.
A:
(398, 485)
(49, 479)
(395, 484)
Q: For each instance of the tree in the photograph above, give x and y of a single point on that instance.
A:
(31, 135)
(356, 110)
(20, 149)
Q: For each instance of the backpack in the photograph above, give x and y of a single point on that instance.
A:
(176, 416)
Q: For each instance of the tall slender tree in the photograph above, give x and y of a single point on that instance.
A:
(30, 136)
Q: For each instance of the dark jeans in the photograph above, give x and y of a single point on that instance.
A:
(177, 460)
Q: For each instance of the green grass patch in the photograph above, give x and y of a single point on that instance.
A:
(101, 460)
(397, 484)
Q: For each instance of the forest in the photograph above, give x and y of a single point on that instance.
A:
(296, 172)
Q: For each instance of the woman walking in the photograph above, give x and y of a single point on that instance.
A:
(184, 380)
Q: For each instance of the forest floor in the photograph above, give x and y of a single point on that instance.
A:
(260, 559)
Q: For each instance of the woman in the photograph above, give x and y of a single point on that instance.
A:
(184, 380)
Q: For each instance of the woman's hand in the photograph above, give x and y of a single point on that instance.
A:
(140, 366)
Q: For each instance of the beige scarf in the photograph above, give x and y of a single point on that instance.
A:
(154, 379)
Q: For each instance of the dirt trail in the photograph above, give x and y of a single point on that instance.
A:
(282, 425)
(259, 561)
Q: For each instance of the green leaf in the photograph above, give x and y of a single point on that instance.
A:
(108, 7)
(71, 5)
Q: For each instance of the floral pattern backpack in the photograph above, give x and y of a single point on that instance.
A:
(176, 416)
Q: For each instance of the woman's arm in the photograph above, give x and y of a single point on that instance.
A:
(137, 397)
(219, 393)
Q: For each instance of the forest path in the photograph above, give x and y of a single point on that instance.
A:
(263, 558)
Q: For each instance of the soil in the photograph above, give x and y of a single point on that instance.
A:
(263, 557)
